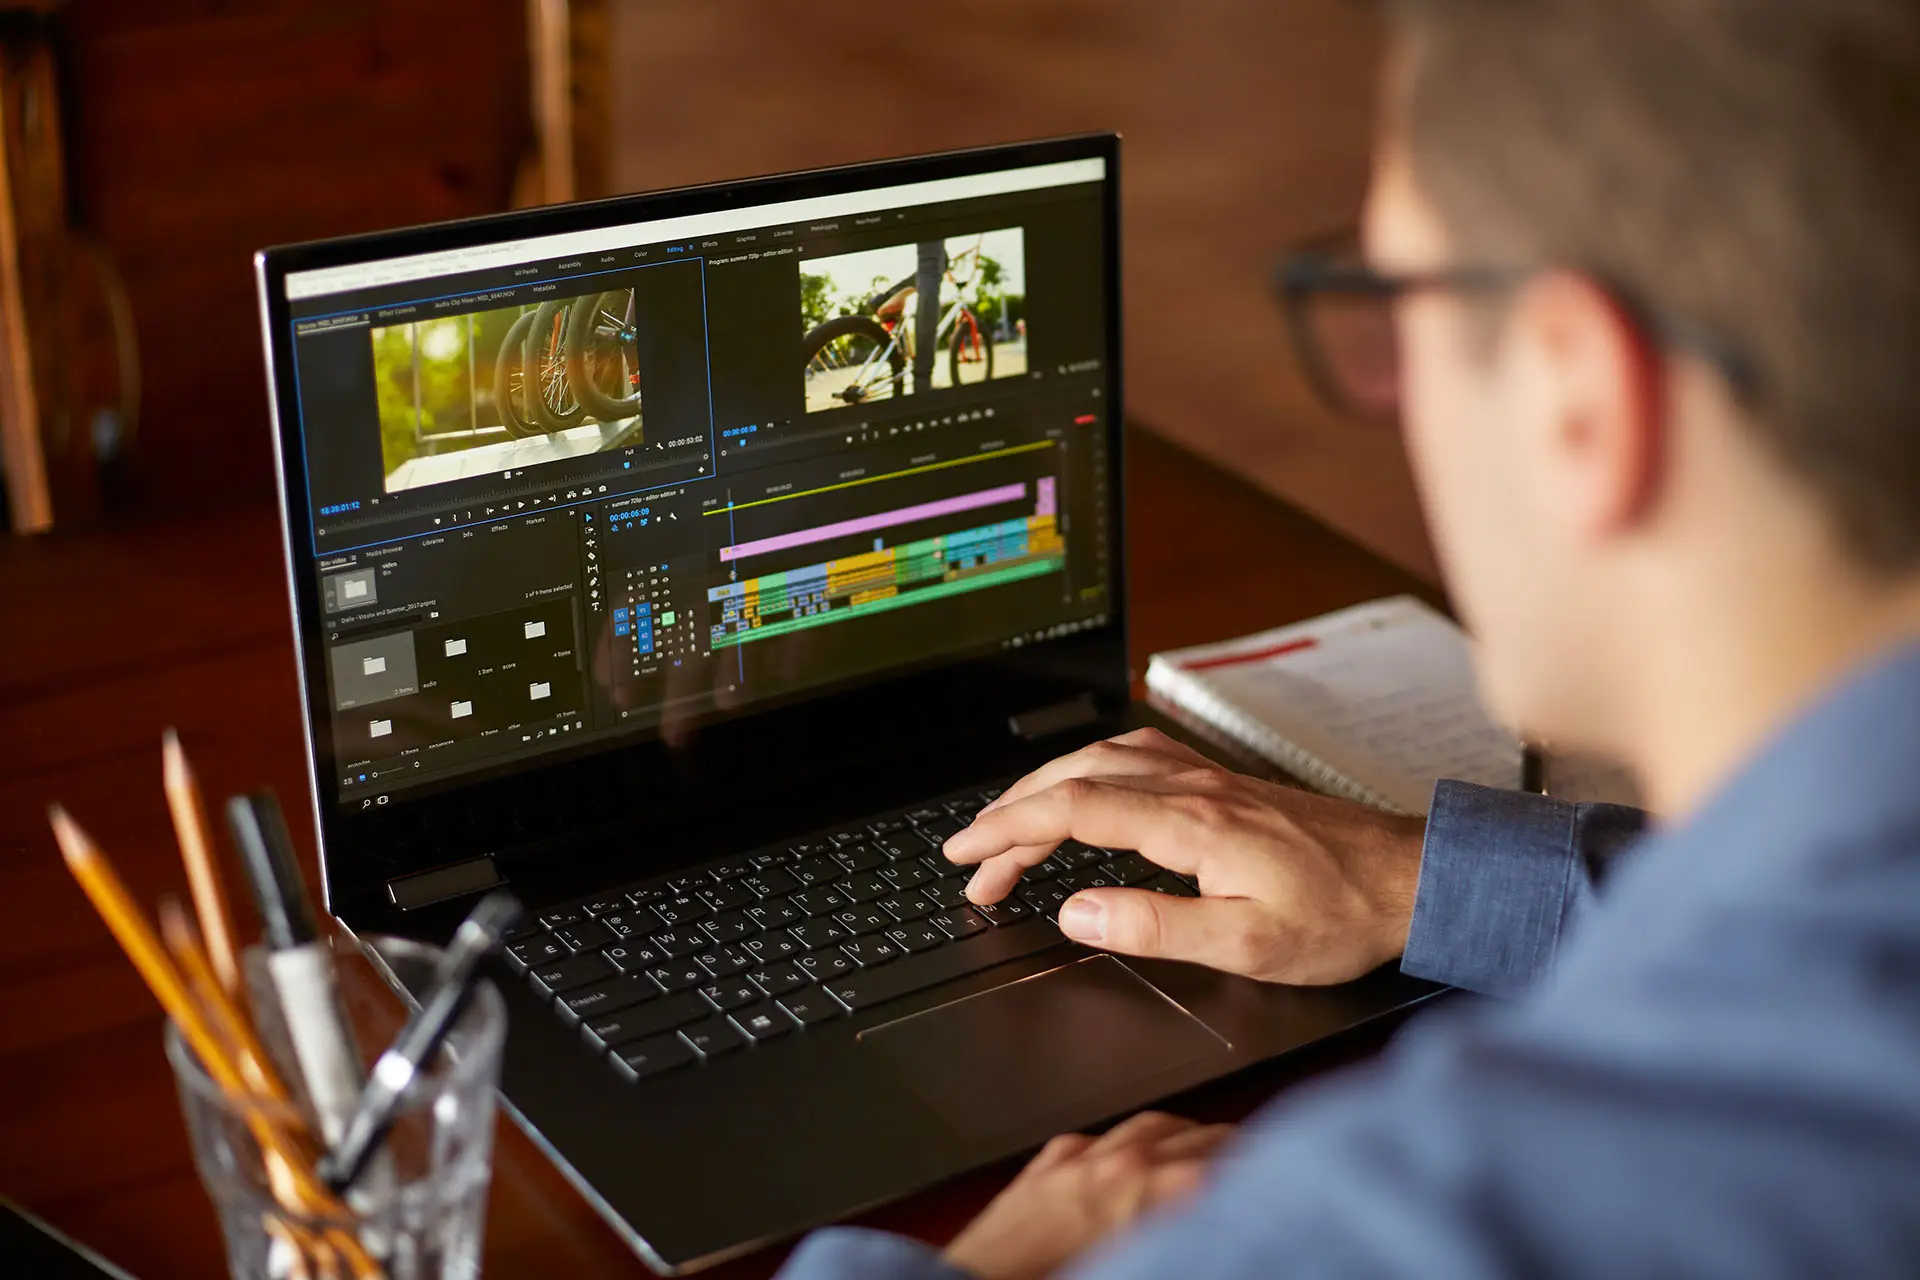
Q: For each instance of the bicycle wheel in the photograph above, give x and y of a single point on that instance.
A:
(969, 351)
(600, 356)
(852, 360)
(549, 396)
(509, 376)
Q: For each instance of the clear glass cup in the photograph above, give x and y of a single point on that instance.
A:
(419, 1212)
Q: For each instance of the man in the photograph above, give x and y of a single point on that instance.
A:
(1654, 269)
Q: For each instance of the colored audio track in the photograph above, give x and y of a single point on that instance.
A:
(888, 578)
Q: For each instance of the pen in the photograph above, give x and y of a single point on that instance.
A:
(454, 980)
(299, 964)
(196, 850)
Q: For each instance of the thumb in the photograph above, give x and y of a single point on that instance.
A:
(1221, 933)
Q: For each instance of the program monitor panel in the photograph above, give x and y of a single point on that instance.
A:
(617, 484)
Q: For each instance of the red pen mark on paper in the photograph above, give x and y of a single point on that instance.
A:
(1256, 655)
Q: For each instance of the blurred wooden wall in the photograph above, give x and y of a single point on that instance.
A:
(202, 130)
(1247, 124)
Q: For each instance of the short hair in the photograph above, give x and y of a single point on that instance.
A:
(1750, 165)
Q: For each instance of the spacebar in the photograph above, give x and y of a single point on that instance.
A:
(869, 987)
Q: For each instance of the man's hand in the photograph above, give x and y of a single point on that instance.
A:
(1080, 1190)
(1295, 887)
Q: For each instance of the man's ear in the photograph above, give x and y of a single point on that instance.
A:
(1602, 388)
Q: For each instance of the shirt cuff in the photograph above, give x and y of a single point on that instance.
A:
(857, 1253)
(1494, 881)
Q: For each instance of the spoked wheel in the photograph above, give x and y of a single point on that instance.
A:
(853, 360)
(970, 351)
(549, 394)
(601, 364)
(509, 380)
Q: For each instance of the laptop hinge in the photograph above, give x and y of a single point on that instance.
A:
(1042, 721)
(441, 883)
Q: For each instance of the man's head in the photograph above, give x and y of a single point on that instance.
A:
(1747, 169)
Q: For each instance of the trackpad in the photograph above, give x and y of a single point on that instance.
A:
(1063, 1042)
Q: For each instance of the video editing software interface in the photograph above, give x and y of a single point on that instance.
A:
(611, 483)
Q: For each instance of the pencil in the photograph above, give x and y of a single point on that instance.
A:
(196, 850)
(109, 895)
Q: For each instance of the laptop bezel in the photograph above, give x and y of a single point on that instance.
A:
(493, 813)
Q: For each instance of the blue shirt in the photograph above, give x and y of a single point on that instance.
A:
(1711, 1066)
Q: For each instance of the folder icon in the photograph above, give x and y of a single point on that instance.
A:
(353, 589)
(456, 647)
(372, 666)
(539, 689)
(379, 728)
(462, 709)
(535, 630)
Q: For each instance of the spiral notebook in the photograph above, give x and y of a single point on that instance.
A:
(1375, 703)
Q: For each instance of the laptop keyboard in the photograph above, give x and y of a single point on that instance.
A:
(747, 950)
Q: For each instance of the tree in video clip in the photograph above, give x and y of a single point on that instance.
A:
(859, 312)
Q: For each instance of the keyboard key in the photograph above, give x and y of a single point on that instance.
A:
(825, 966)
(713, 1037)
(1167, 882)
(730, 927)
(770, 883)
(858, 921)
(869, 987)
(809, 848)
(613, 1030)
(731, 868)
(602, 905)
(990, 794)
(925, 813)
(1130, 868)
(681, 885)
(818, 933)
(563, 917)
(675, 943)
(855, 858)
(768, 858)
(965, 806)
(771, 948)
(604, 997)
(730, 995)
(634, 956)
(651, 1057)
(623, 922)
(726, 897)
(761, 1022)
(886, 826)
(959, 922)
(723, 962)
(678, 976)
(1005, 912)
(868, 952)
(950, 892)
(847, 836)
(588, 935)
(778, 979)
(681, 910)
(1076, 856)
(900, 844)
(909, 906)
(1094, 878)
(906, 875)
(535, 952)
(819, 902)
(814, 872)
(940, 830)
(646, 894)
(917, 936)
(810, 1006)
(1040, 872)
(1045, 899)
(575, 971)
(775, 913)
(864, 887)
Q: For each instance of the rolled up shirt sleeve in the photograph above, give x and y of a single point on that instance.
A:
(1503, 875)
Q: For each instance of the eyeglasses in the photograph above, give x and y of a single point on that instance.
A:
(1340, 312)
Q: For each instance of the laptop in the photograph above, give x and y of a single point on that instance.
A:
(670, 561)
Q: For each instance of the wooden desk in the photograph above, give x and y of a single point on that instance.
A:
(106, 638)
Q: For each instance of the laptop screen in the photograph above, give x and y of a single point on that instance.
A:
(591, 487)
